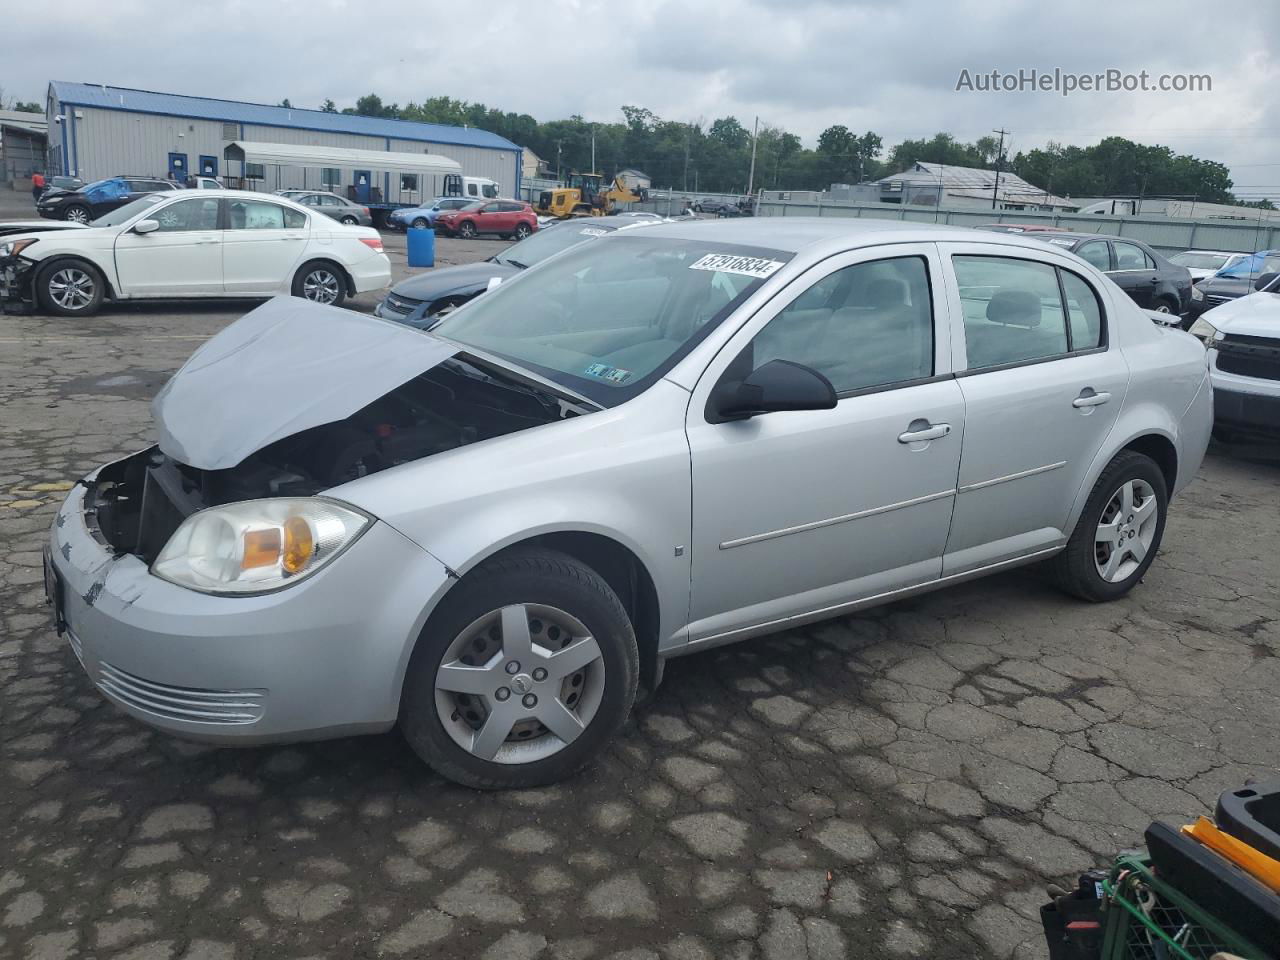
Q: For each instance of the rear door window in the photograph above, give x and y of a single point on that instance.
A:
(1130, 256)
(1096, 253)
(1012, 310)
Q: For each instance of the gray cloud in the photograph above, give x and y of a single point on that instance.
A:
(803, 65)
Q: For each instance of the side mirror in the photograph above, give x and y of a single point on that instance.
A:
(777, 386)
(146, 226)
(1265, 281)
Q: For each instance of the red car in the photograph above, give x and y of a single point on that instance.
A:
(507, 218)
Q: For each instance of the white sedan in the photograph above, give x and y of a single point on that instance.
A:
(193, 244)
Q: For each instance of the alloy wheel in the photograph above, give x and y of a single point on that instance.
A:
(71, 288)
(1126, 530)
(467, 230)
(520, 683)
(1163, 308)
(321, 285)
(78, 215)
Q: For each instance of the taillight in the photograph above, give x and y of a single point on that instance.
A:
(366, 211)
(373, 243)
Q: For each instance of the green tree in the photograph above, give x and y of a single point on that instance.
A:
(285, 103)
(329, 106)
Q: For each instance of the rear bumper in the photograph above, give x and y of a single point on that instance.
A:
(322, 658)
(372, 273)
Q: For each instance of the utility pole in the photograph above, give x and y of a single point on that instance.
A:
(751, 177)
(593, 148)
(686, 158)
(995, 191)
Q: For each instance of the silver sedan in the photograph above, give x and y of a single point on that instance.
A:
(492, 533)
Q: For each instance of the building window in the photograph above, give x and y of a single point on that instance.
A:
(331, 176)
(255, 171)
(408, 181)
(231, 131)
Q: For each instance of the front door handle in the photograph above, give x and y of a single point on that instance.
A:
(203, 240)
(1088, 398)
(920, 430)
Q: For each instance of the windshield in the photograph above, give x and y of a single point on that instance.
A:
(547, 243)
(1199, 261)
(1268, 261)
(608, 319)
(128, 211)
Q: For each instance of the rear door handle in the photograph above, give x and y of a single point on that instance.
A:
(1088, 398)
(924, 430)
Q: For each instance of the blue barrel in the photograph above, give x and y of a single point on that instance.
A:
(422, 247)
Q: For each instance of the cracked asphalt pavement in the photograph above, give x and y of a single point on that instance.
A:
(900, 783)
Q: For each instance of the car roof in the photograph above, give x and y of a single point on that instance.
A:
(793, 234)
(1215, 253)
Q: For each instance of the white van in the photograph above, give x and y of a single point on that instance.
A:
(482, 188)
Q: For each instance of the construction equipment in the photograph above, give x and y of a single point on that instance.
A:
(584, 196)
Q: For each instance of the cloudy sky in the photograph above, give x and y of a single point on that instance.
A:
(886, 65)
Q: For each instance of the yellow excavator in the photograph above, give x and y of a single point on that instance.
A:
(585, 197)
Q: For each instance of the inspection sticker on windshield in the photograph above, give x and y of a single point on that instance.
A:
(593, 232)
(605, 372)
(733, 263)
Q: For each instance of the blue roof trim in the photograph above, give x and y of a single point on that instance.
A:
(129, 100)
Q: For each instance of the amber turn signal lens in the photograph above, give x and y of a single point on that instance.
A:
(261, 548)
(299, 545)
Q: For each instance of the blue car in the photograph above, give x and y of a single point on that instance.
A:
(425, 215)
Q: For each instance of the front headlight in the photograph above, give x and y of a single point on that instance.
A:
(259, 545)
(1203, 329)
(1196, 293)
(14, 247)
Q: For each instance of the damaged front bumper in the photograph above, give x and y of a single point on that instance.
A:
(323, 658)
(17, 290)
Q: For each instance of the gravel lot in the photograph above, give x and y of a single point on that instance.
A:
(898, 783)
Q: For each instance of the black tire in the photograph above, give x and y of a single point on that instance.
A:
(467, 230)
(350, 221)
(523, 230)
(1075, 568)
(308, 277)
(421, 223)
(521, 576)
(51, 291)
(77, 212)
(1166, 305)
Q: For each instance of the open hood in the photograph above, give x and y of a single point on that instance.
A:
(283, 368)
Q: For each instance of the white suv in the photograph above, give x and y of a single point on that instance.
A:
(1243, 338)
(193, 243)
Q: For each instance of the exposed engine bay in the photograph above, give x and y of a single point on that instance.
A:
(134, 505)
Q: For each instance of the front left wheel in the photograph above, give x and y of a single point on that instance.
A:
(70, 288)
(525, 671)
(320, 282)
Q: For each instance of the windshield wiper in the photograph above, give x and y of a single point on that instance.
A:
(515, 263)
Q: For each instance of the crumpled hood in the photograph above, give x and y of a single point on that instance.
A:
(1226, 286)
(1257, 315)
(450, 281)
(285, 367)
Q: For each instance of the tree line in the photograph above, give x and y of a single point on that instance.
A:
(715, 156)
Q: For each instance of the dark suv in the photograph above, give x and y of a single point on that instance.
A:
(1151, 280)
(102, 196)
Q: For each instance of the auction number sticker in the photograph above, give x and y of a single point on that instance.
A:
(733, 263)
(605, 372)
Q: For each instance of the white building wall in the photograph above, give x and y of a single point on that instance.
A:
(105, 143)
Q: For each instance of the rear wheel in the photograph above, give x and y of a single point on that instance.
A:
(76, 214)
(467, 230)
(523, 230)
(1118, 533)
(320, 282)
(420, 223)
(1164, 305)
(350, 221)
(525, 671)
(70, 288)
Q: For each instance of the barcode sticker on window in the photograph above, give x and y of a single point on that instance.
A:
(733, 263)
